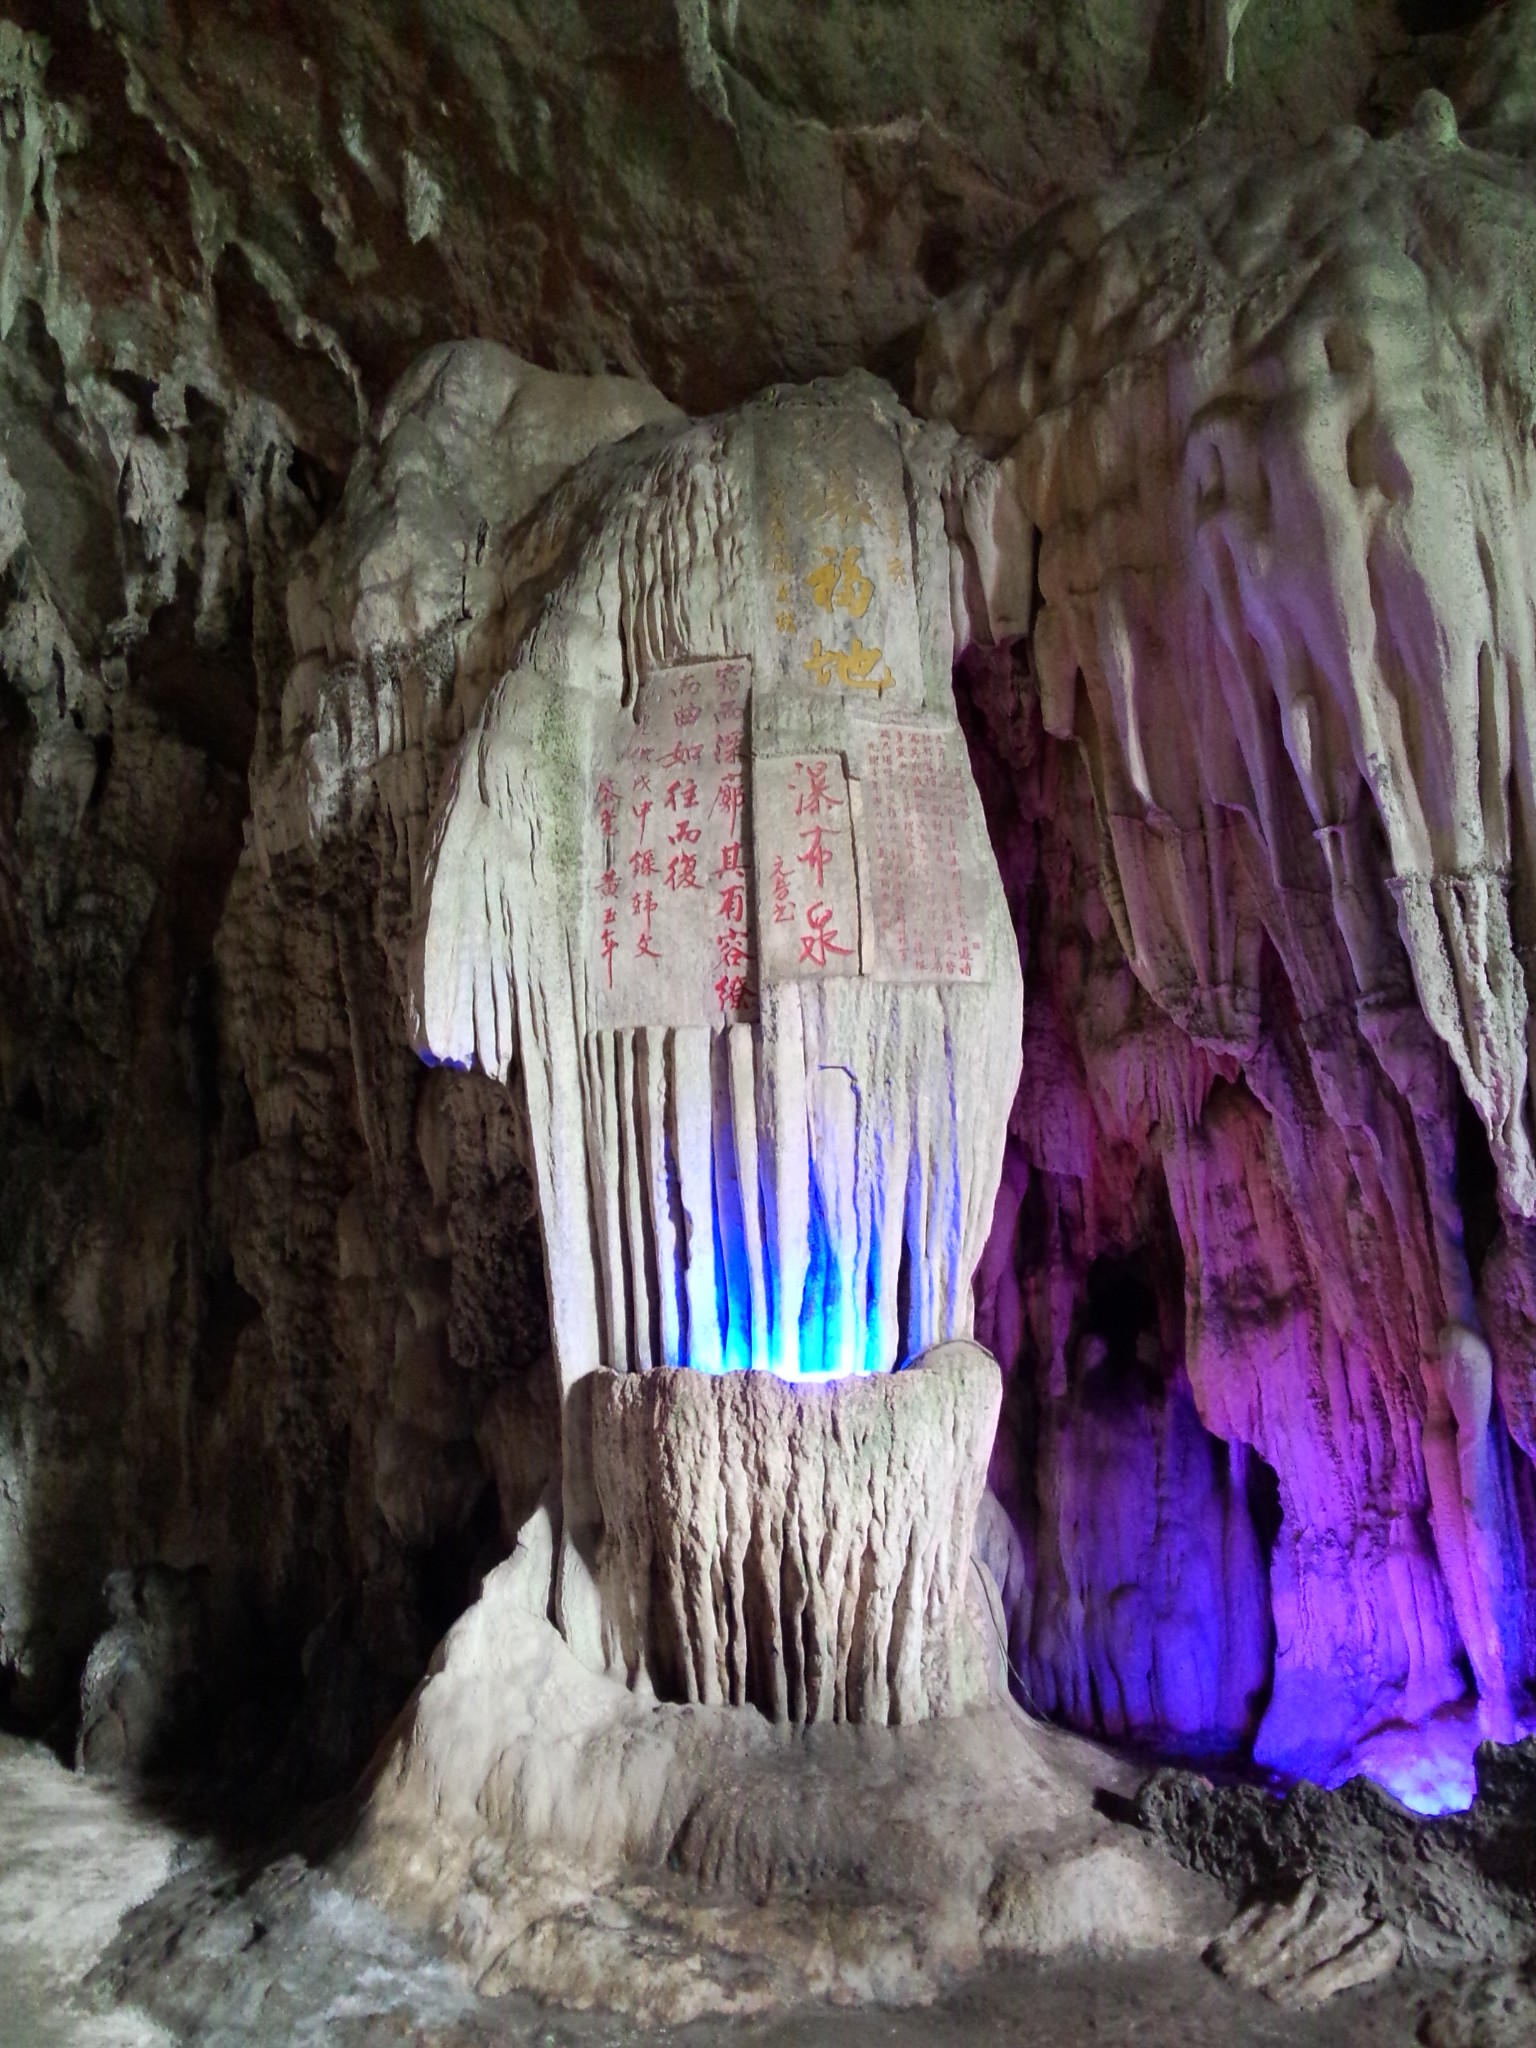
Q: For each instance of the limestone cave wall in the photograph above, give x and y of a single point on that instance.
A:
(274, 1350)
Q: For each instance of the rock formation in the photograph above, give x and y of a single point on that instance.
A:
(573, 1838)
(1272, 429)
(804, 1549)
(1191, 573)
(708, 867)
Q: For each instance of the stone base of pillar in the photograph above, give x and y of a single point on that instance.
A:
(802, 1548)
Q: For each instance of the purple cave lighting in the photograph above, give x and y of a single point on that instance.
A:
(1430, 1768)
(1173, 1597)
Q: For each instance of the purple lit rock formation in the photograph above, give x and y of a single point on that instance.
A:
(1266, 818)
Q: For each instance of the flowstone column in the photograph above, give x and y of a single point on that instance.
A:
(710, 867)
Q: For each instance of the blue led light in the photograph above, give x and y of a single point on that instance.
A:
(829, 1338)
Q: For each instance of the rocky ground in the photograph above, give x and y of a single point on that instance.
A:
(216, 1949)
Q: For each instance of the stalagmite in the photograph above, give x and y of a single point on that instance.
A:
(709, 869)
(804, 1549)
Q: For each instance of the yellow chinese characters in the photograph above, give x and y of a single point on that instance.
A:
(834, 499)
(861, 668)
(839, 584)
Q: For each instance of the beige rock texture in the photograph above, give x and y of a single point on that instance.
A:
(708, 194)
(804, 1550)
(572, 1838)
(1306, 1949)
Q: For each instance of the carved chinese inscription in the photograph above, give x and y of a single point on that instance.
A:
(859, 857)
(670, 940)
(926, 871)
(808, 898)
(839, 592)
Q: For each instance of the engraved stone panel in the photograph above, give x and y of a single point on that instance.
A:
(923, 860)
(669, 938)
(808, 893)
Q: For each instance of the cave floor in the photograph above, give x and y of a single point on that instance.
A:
(286, 1957)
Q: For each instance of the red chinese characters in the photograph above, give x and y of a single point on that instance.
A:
(818, 855)
(607, 806)
(729, 798)
(819, 939)
(812, 796)
(926, 877)
(783, 900)
(809, 917)
(672, 932)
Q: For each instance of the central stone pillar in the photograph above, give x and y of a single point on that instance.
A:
(799, 1547)
(709, 880)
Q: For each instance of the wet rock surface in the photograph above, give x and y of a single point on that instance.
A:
(1338, 1887)
(1458, 1888)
